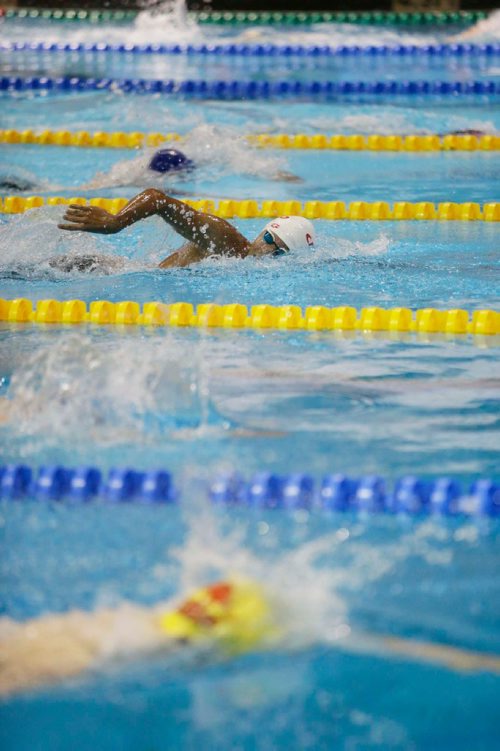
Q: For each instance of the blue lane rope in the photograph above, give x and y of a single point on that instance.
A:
(251, 89)
(55, 482)
(408, 495)
(263, 50)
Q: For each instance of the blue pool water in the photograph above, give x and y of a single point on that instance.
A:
(201, 402)
(246, 68)
(332, 176)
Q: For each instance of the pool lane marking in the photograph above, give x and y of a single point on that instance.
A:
(375, 18)
(261, 90)
(237, 316)
(250, 209)
(333, 492)
(298, 141)
(385, 52)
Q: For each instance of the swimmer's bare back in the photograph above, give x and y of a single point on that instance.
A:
(205, 234)
(57, 647)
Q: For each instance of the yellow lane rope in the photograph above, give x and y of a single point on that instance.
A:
(336, 142)
(249, 209)
(237, 316)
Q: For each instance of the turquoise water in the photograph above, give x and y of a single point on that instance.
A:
(202, 402)
(106, 111)
(346, 176)
(310, 697)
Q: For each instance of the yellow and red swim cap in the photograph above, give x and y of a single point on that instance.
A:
(234, 613)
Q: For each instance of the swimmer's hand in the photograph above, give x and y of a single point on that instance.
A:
(90, 219)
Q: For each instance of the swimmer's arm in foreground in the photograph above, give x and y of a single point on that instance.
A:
(205, 233)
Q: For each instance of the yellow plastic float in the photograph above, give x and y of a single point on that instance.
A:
(234, 613)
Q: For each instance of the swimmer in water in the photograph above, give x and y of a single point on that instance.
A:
(144, 169)
(167, 161)
(206, 234)
(14, 179)
(228, 618)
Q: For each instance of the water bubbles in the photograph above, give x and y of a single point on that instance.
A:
(342, 534)
(154, 394)
(223, 150)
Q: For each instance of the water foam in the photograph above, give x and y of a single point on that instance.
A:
(155, 394)
(32, 247)
(310, 586)
(485, 30)
(168, 22)
(218, 151)
(165, 23)
(395, 121)
(228, 150)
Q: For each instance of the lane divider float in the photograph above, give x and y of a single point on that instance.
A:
(354, 17)
(338, 492)
(335, 141)
(250, 209)
(236, 90)
(56, 482)
(374, 18)
(262, 50)
(238, 316)
(408, 495)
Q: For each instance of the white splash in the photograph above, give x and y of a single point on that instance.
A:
(153, 395)
(217, 150)
(226, 150)
(32, 247)
(308, 589)
(486, 30)
(413, 121)
(169, 22)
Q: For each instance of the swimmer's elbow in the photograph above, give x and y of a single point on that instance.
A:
(154, 195)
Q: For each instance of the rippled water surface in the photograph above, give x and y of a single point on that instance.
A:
(200, 402)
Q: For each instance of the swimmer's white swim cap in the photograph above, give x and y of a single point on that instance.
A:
(296, 231)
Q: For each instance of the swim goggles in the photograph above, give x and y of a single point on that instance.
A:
(269, 239)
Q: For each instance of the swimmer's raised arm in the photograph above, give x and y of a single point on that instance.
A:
(206, 234)
(211, 234)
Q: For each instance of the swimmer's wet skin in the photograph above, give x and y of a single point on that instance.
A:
(205, 234)
(229, 617)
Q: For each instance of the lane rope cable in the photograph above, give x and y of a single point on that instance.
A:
(262, 50)
(259, 18)
(250, 209)
(237, 90)
(334, 142)
(407, 495)
(238, 316)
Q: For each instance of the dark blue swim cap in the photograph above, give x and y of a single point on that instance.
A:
(170, 160)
